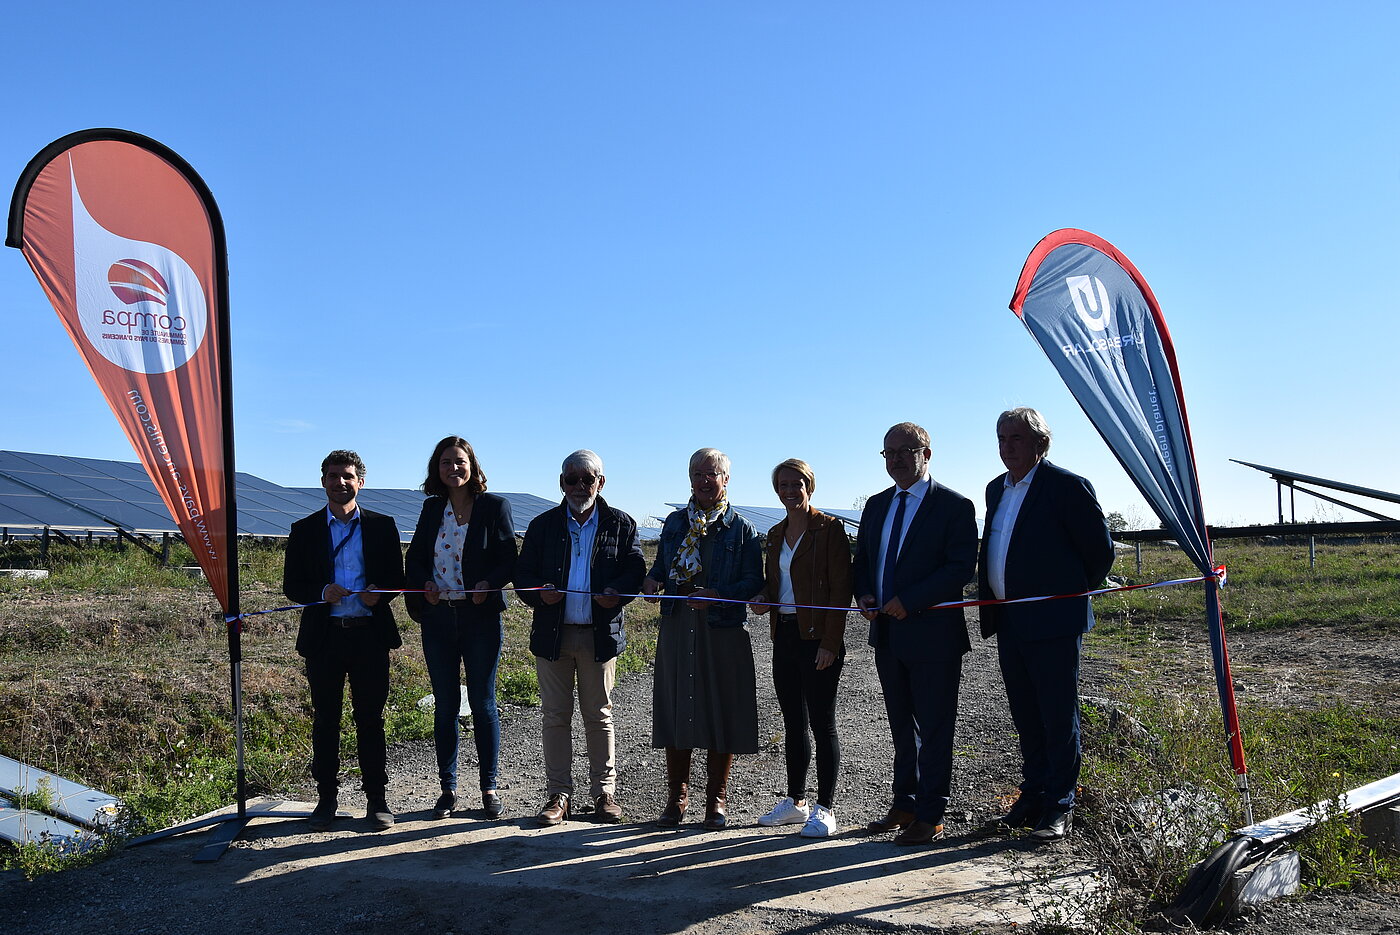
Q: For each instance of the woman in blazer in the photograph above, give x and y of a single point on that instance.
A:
(462, 554)
(808, 561)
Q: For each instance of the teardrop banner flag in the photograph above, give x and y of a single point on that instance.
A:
(128, 244)
(1097, 320)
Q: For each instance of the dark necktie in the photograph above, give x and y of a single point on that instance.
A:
(892, 549)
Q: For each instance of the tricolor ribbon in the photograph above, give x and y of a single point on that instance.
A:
(1218, 573)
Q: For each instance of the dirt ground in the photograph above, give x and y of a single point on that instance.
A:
(469, 874)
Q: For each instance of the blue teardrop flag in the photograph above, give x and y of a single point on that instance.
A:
(1097, 320)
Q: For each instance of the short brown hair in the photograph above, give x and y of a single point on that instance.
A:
(802, 468)
(433, 485)
(344, 456)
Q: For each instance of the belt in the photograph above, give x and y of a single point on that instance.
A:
(458, 602)
(349, 623)
(787, 618)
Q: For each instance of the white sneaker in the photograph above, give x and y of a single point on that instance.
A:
(822, 824)
(786, 812)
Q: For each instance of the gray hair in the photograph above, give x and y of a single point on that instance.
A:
(1032, 420)
(585, 459)
(712, 454)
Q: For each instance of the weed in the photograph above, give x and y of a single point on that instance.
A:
(39, 799)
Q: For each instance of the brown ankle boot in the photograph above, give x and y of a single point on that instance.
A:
(717, 766)
(677, 787)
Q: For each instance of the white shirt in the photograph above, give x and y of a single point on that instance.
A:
(447, 554)
(1000, 526)
(785, 592)
(917, 491)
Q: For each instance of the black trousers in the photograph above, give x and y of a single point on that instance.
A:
(807, 697)
(358, 656)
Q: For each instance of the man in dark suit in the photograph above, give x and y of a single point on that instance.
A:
(336, 559)
(587, 548)
(1045, 534)
(917, 546)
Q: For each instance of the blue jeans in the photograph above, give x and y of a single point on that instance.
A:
(457, 639)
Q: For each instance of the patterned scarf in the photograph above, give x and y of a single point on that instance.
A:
(687, 562)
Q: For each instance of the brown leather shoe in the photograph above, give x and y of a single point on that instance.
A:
(606, 809)
(920, 832)
(555, 810)
(894, 821)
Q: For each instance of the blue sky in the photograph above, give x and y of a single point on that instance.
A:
(774, 228)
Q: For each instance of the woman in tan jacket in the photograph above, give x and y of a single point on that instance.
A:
(808, 562)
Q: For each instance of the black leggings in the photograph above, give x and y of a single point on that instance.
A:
(805, 696)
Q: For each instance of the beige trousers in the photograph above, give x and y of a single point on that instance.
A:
(576, 664)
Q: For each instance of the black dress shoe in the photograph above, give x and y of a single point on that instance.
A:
(446, 802)
(1025, 813)
(378, 812)
(492, 804)
(894, 820)
(323, 814)
(1054, 824)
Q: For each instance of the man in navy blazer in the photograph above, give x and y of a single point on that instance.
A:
(1045, 534)
(917, 546)
(336, 560)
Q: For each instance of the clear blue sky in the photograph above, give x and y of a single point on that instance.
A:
(774, 228)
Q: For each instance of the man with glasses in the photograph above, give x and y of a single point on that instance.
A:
(917, 546)
(337, 561)
(584, 554)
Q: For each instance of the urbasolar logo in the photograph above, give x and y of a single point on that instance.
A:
(136, 282)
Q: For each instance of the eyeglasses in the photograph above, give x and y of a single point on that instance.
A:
(704, 475)
(889, 454)
(574, 480)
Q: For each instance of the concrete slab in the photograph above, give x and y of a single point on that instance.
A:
(853, 876)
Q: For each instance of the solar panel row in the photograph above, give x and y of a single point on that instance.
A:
(67, 493)
(765, 518)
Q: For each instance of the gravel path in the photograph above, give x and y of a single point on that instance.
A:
(984, 769)
(281, 878)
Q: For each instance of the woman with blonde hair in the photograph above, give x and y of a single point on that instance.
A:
(808, 563)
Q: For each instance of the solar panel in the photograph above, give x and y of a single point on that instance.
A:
(765, 518)
(68, 493)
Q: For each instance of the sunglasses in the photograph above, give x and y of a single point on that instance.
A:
(573, 480)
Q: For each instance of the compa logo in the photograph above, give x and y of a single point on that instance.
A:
(1090, 301)
(134, 281)
(160, 314)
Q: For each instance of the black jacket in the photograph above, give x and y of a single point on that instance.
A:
(307, 569)
(616, 562)
(487, 555)
(1059, 545)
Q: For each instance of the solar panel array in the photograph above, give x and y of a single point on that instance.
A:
(76, 494)
(765, 518)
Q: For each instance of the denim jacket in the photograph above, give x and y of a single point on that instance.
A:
(737, 565)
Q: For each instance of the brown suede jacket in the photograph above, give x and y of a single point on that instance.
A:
(821, 574)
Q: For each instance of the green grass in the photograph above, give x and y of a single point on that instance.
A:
(114, 672)
(1269, 585)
